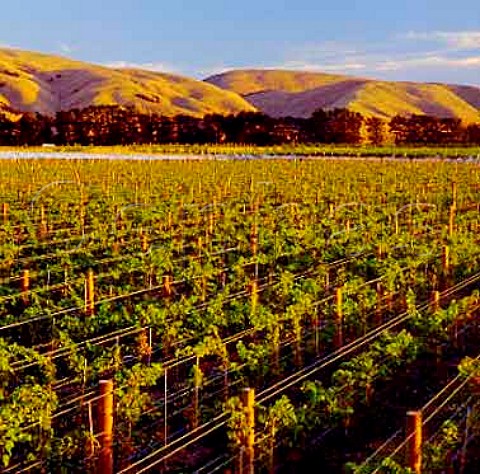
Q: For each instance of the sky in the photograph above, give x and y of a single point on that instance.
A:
(418, 40)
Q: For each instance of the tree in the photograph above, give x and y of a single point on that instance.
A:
(335, 126)
(343, 126)
(425, 129)
(472, 134)
(376, 129)
(316, 126)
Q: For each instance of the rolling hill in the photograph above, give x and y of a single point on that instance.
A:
(44, 83)
(282, 93)
(37, 82)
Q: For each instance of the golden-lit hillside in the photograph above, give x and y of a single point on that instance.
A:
(44, 83)
(282, 93)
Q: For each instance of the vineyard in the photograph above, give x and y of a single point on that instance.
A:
(239, 316)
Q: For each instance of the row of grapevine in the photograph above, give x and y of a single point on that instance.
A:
(185, 282)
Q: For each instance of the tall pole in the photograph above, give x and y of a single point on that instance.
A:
(105, 415)
(5, 212)
(338, 318)
(414, 441)
(25, 285)
(165, 408)
(90, 293)
(248, 401)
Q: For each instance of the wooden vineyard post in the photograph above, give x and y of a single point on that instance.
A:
(25, 286)
(144, 242)
(119, 218)
(167, 286)
(380, 252)
(445, 266)
(254, 240)
(105, 422)
(378, 306)
(331, 211)
(454, 194)
(90, 294)
(327, 279)
(211, 224)
(197, 381)
(248, 401)
(317, 335)
(199, 249)
(5, 212)
(42, 230)
(82, 210)
(276, 351)
(338, 318)
(165, 407)
(414, 441)
(445, 258)
(254, 282)
(451, 221)
(203, 288)
(435, 301)
(253, 295)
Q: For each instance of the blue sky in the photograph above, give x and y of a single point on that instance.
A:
(404, 39)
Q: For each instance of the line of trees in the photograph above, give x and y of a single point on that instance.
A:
(116, 125)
